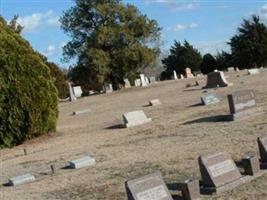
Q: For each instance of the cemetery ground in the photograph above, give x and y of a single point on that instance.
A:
(180, 131)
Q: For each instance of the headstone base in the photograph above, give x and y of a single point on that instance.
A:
(245, 114)
(138, 123)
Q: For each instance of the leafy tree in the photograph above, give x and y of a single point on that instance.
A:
(28, 100)
(208, 64)
(249, 45)
(181, 57)
(223, 60)
(111, 41)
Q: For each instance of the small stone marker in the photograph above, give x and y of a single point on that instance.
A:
(251, 165)
(82, 162)
(218, 170)
(53, 169)
(72, 96)
(143, 80)
(17, 180)
(154, 102)
(108, 88)
(181, 76)
(262, 143)
(149, 187)
(77, 90)
(81, 112)
(152, 79)
(201, 83)
(135, 118)
(25, 152)
(210, 98)
(253, 71)
(147, 80)
(190, 189)
(127, 83)
(137, 82)
(174, 75)
(242, 104)
(216, 79)
(230, 69)
(188, 73)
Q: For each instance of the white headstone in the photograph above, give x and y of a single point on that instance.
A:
(143, 80)
(147, 81)
(17, 180)
(135, 118)
(152, 79)
(81, 111)
(137, 82)
(174, 75)
(154, 102)
(77, 91)
(253, 71)
(82, 162)
(127, 83)
(181, 76)
(72, 96)
(108, 88)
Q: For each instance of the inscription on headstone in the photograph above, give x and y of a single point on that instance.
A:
(210, 99)
(218, 169)
(135, 118)
(149, 187)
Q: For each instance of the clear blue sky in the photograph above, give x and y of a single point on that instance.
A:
(208, 25)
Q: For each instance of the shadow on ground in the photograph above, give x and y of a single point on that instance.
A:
(214, 118)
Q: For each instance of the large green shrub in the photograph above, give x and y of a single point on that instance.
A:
(28, 97)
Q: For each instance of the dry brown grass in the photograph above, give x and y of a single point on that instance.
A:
(171, 143)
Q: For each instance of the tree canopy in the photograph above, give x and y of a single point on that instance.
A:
(208, 64)
(28, 100)
(181, 57)
(249, 45)
(110, 40)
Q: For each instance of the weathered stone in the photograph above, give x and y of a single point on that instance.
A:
(149, 187)
(72, 96)
(77, 90)
(216, 79)
(82, 162)
(174, 75)
(143, 80)
(137, 82)
(242, 104)
(188, 73)
(152, 79)
(218, 169)
(210, 98)
(262, 144)
(108, 88)
(127, 83)
(230, 69)
(201, 83)
(154, 102)
(190, 189)
(135, 118)
(81, 111)
(17, 180)
(251, 165)
(253, 71)
(181, 76)
(147, 81)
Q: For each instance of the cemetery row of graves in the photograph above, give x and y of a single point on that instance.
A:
(218, 171)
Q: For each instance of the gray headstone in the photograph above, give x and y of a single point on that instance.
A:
(152, 79)
(154, 102)
(17, 180)
(127, 83)
(262, 143)
(135, 118)
(216, 79)
(149, 187)
(218, 169)
(253, 71)
(77, 90)
(82, 162)
(210, 99)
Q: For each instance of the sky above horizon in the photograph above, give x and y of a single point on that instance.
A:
(208, 25)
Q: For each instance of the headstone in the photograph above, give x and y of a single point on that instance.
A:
(174, 75)
(217, 170)
(72, 96)
(253, 71)
(81, 111)
(251, 165)
(137, 82)
(17, 180)
(188, 73)
(77, 90)
(190, 189)
(149, 187)
(127, 83)
(216, 79)
(143, 80)
(262, 143)
(242, 104)
(230, 69)
(108, 88)
(154, 102)
(91, 92)
(210, 98)
(181, 76)
(147, 81)
(152, 79)
(82, 162)
(201, 83)
(135, 118)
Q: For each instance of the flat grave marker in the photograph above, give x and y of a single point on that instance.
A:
(155, 102)
(135, 118)
(253, 71)
(209, 98)
(149, 187)
(82, 162)
(78, 112)
(18, 180)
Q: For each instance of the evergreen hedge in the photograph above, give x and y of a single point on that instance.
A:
(28, 97)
